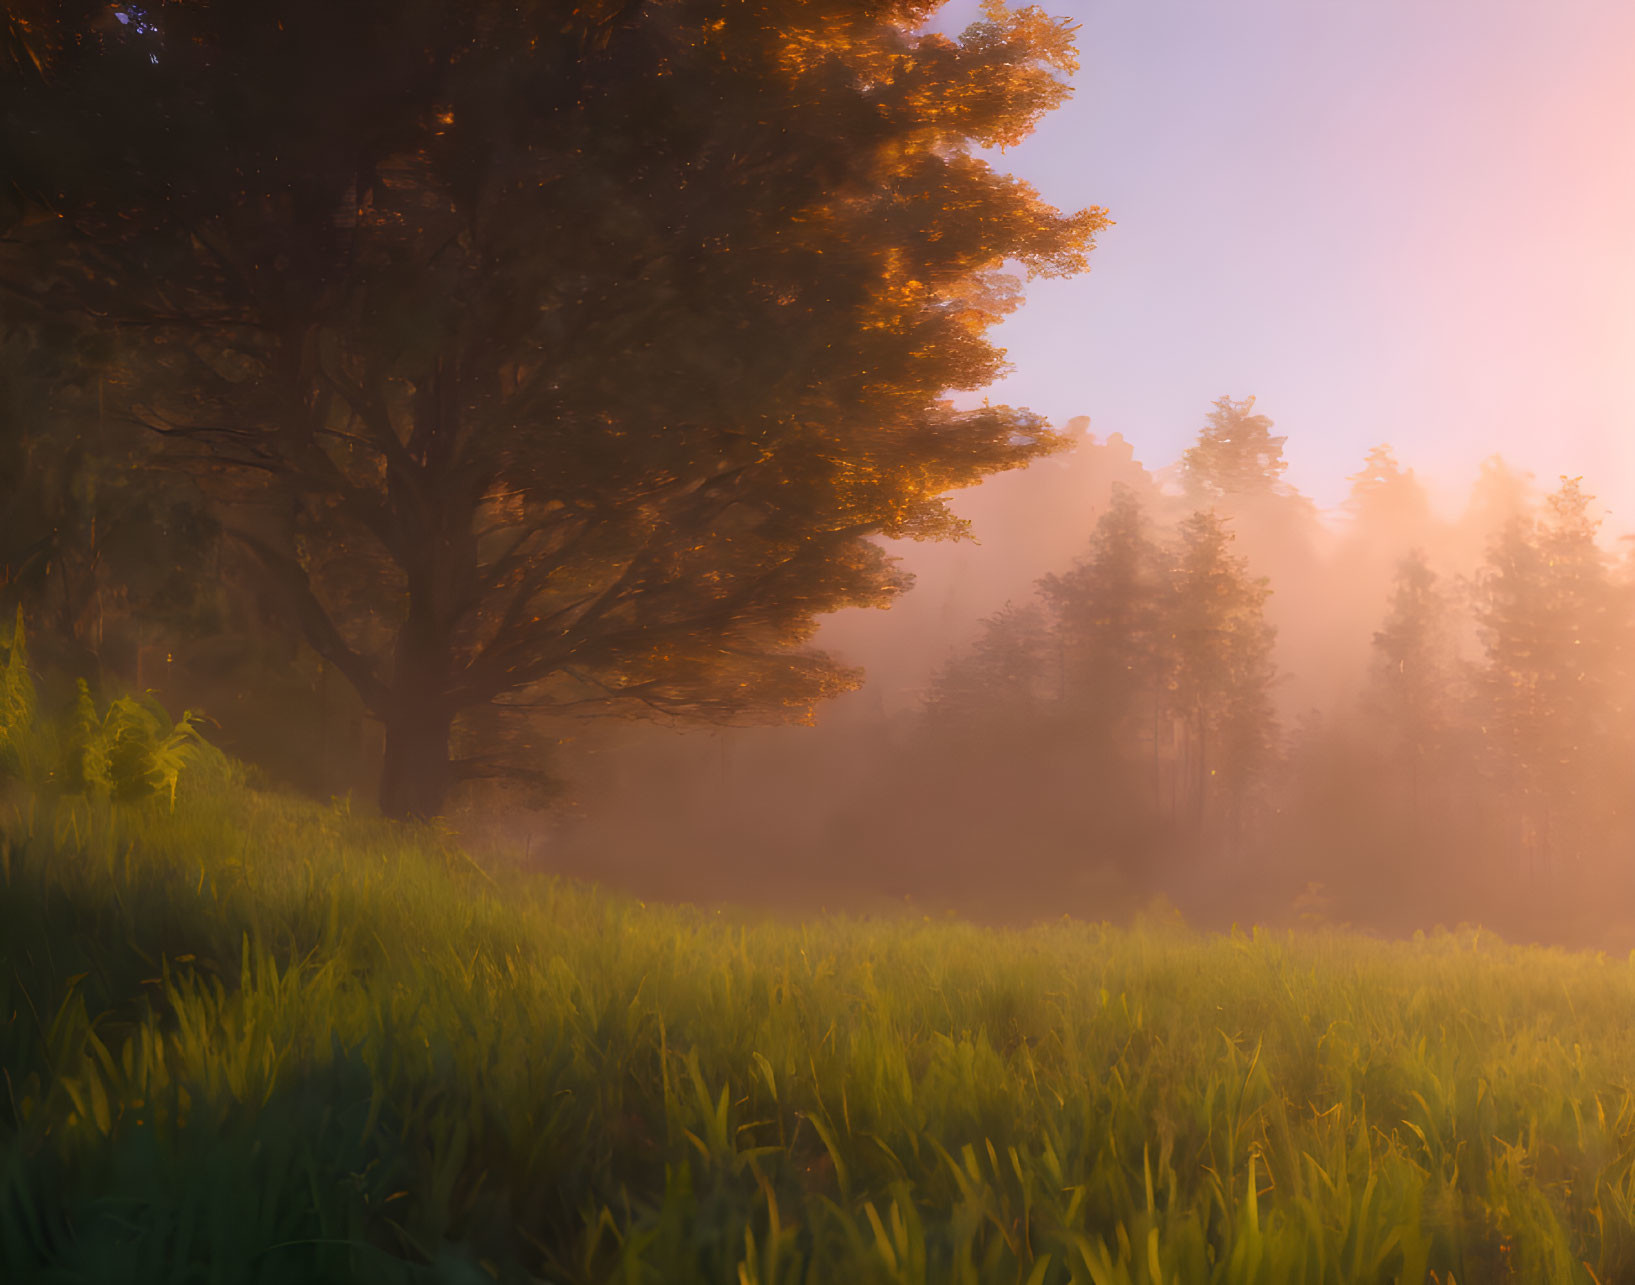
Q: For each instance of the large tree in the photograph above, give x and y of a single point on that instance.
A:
(546, 353)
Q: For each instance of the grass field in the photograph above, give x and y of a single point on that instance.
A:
(253, 1039)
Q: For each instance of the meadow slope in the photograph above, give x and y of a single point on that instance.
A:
(254, 1039)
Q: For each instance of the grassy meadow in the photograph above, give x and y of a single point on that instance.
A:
(248, 1038)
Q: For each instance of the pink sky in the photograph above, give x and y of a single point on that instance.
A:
(1389, 221)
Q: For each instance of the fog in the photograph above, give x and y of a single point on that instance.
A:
(1438, 731)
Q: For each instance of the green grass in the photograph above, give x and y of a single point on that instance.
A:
(253, 1039)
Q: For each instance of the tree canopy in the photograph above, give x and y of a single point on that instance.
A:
(546, 356)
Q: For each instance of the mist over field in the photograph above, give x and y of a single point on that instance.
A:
(1417, 757)
(884, 535)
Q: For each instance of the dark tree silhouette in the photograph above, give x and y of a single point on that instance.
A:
(1221, 669)
(1106, 610)
(1411, 682)
(1550, 622)
(1004, 682)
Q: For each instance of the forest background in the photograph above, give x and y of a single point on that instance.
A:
(1205, 689)
(1184, 682)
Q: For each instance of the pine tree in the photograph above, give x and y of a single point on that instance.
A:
(1221, 671)
(1236, 455)
(1412, 672)
(1002, 683)
(1387, 499)
(1578, 691)
(1499, 494)
(1548, 613)
(1105, 616)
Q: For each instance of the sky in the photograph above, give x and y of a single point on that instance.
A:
(1389, 221)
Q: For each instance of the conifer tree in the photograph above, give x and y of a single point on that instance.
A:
(1002, 682)
(1235, 456)
(1499, 494)
(1221, 670)
(1584, 637)
(1547, 609)
(1412, 673)
(1105, 612)
(1387, 499)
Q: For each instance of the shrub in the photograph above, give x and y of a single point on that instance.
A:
(127, 753)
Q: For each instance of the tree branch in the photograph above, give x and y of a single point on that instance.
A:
(291, 581)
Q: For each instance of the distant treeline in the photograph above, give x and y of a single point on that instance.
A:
(1474, 753)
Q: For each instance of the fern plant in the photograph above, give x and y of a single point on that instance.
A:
(131, 751)
(18, 759)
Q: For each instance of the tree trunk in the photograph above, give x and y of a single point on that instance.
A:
(415, 774)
